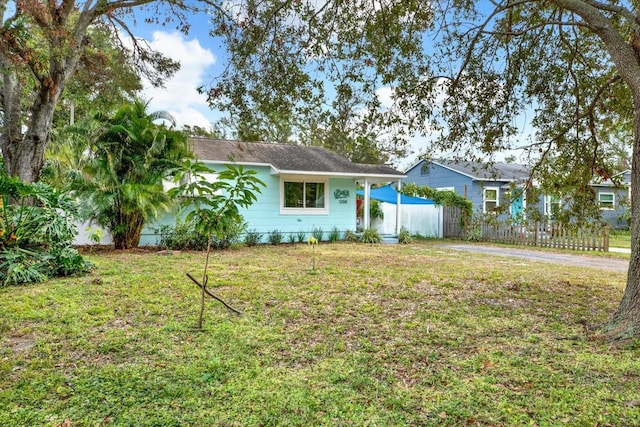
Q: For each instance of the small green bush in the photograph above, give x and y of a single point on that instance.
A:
(275, 237)
(252, 238)
(291, 238)
(350, 236)
(334, 235)
(318, 233)
(36, 238)
(301, 236)
(404, 236)
(370, 235)
(183, 236)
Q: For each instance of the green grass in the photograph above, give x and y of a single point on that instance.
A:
(384, 335)
(620, 239)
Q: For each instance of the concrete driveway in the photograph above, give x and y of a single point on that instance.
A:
(615, 264)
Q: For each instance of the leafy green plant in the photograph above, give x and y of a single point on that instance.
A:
(275, 237)
(215, 207)
(318, 233)
(252, 238)
(36, 233)
(334, 235)
(370, 235)
(95, 235)
(181, 236)
(404, 236)
(351, 236)
(474, 234)
(300, 236)
(291, 238)
(119, 175)
(375, 210)
(184, 236)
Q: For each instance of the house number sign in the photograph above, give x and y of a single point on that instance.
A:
(341, 196)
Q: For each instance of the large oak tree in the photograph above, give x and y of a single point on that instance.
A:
(42, 44)
(470, 70)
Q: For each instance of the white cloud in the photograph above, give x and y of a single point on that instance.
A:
(385, 96)
(179, 95)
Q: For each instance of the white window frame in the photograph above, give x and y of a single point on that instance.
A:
(548, 202)
(613, 200)
(485, 200)
(304, 211)
(452, 189)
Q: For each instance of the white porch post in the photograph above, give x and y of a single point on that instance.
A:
(366, 211)
(398, 208)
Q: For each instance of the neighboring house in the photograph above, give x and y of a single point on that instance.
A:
(613, 199)
(487, 187)
(500, 185)
(307, 187)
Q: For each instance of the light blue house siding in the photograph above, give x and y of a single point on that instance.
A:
(266, 214)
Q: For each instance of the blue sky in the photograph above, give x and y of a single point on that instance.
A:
(202, 59)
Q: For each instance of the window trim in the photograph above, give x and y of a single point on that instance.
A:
(304, 211)
(548, 201)
(484, 199)
(613, 200)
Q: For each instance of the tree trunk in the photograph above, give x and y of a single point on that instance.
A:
(625, 323)
(625, 54)
(24, 158)
(24, 153)
(126, 235)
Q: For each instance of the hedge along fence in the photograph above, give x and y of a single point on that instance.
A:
(548, 235)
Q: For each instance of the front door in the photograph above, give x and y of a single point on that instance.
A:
(517, 205)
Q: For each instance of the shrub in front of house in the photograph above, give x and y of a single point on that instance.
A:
(275, 237)
(317, 233)
(370, 235)
(252, 238)
(350, 236)
(183, 236)
(404, 236)
(334, 234)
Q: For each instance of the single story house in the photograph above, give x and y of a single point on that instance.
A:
(307, 187)
(490, 187)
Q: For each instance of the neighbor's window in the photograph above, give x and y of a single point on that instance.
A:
(551, 206)
(490, 199)
(304, 195)
(606, 200)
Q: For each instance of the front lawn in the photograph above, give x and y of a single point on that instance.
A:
(384, 335)
(619, 239)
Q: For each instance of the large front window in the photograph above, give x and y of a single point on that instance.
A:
(305, 195)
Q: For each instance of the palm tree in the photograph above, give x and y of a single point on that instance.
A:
(119, 176)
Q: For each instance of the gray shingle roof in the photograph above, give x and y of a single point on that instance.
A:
(285, 157)
(482, 171)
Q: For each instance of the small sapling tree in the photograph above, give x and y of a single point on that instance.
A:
(214, 207)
